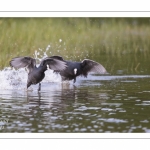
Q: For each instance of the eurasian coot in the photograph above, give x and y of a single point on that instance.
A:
(36, 74)
(75, 69)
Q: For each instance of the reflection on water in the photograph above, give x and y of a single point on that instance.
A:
(93, 104)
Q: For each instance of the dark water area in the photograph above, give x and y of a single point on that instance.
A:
(97, 104)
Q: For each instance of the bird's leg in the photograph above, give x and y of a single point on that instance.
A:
(28, 84)
(39, 89)
(74, 80)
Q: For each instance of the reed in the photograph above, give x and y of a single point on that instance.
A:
(73, 38)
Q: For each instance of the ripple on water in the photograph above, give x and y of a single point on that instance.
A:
(144, 121)
(107, 109)
(112, 104)
(83, 108)
(113, 120)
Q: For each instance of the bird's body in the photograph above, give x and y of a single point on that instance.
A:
(71, 72)
(37, 74)
(75, 69)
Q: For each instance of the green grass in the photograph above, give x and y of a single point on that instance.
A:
(81, 37)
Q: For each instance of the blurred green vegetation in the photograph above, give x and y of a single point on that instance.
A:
(73, 38)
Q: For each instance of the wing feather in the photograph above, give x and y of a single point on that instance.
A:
(57, 57)
(54, 64)
(21, 62)
(92, 66)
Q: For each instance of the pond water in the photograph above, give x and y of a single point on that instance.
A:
(118, 102)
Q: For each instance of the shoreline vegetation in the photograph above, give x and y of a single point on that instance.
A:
(74, 38)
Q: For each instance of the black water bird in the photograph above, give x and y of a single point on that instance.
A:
(75, 69)
(36, 74)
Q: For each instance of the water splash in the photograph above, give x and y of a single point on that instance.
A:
(11, 78)
(17, 79)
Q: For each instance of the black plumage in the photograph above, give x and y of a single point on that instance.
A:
(36, 74)
(75, 69)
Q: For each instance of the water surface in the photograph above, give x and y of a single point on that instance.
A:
(119, 103)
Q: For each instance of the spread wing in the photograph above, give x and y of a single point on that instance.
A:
(21, 62)
(92, 66)
(54, 64)
(57, 57)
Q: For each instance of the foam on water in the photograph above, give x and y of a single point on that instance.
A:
(17, 79)
(12, 79)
